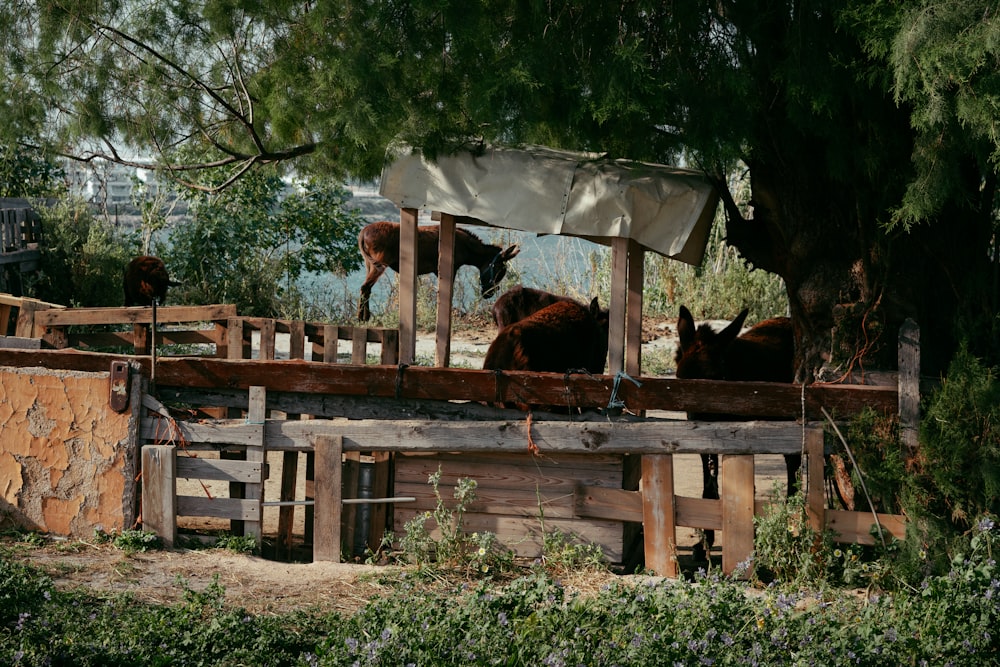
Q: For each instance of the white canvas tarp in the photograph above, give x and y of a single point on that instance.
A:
(665, 209)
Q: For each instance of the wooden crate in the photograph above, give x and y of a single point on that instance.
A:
(516, 495)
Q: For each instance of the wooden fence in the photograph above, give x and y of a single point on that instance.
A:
(399, 408)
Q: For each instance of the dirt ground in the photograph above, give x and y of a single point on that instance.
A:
(269, 586)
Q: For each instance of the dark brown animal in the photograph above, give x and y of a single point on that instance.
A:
(146, 279)
(379, 245)
(519, 302)
(561, 337)
(765, 353)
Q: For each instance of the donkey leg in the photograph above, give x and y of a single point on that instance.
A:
(709, 489)
(792, 464)
(375, 272)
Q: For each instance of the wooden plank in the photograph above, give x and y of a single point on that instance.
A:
(134, 315)
(267, 331)
(256, 412)
(297, 340)
(608, 437)
(18, 343)
(599, 502)
(855, 527)
(523, 535)
(234, 340)
(189, 467)
(359, 346)
(330, 339)
(909, 383)
(512, 502)
(326, 530)
(446, 288)
(744, 398)
(159, 505)
(234, 509)
(704, 513)
(390, 347)
(737, 495)
(658, 517)
(815, 493)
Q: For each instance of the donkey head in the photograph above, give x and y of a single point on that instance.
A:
(491, 274)
(701, 352)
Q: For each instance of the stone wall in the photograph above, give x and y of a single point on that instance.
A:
(68, 462)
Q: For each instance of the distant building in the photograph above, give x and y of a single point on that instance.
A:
(107, 184)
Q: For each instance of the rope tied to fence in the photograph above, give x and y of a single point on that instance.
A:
(615, 404)
(399, 379)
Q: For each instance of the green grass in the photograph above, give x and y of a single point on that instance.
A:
(530, 620)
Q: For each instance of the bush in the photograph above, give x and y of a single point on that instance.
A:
(248, 244)
(83, 257)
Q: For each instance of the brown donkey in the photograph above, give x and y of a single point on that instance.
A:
(765, 353)
(379, 246)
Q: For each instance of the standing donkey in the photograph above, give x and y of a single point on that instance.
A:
(379, 246)
(765, 353)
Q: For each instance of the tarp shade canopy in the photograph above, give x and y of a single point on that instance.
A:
(665, 209)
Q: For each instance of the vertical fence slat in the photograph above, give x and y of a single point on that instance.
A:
(159, 496)
(328, 473)
(446, 287)
(658, 516)
(815, 500)
(737, 492)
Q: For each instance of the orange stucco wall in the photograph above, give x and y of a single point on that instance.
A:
(67, 460)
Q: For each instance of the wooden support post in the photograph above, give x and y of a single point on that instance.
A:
(658, 517)
(407, 285)
(618, 305)
(140, 338)
(909, 383)
(446, 288)
(815, 500)
(633, 310)
(326, 531)
(159, 492)
(737, 493)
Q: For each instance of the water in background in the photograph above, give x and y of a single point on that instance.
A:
(560, 264)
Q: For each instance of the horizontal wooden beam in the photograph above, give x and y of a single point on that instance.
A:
(134, 315)
(759, 399)
(653, 437)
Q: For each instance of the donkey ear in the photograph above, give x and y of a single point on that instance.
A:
(732, 330)
(685, 328)
(510, 253)
(595, 308)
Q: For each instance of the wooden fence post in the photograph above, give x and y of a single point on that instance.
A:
(658, 517)
(159, 497)
(326, 530)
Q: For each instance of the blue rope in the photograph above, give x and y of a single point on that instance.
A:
(615, 403)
